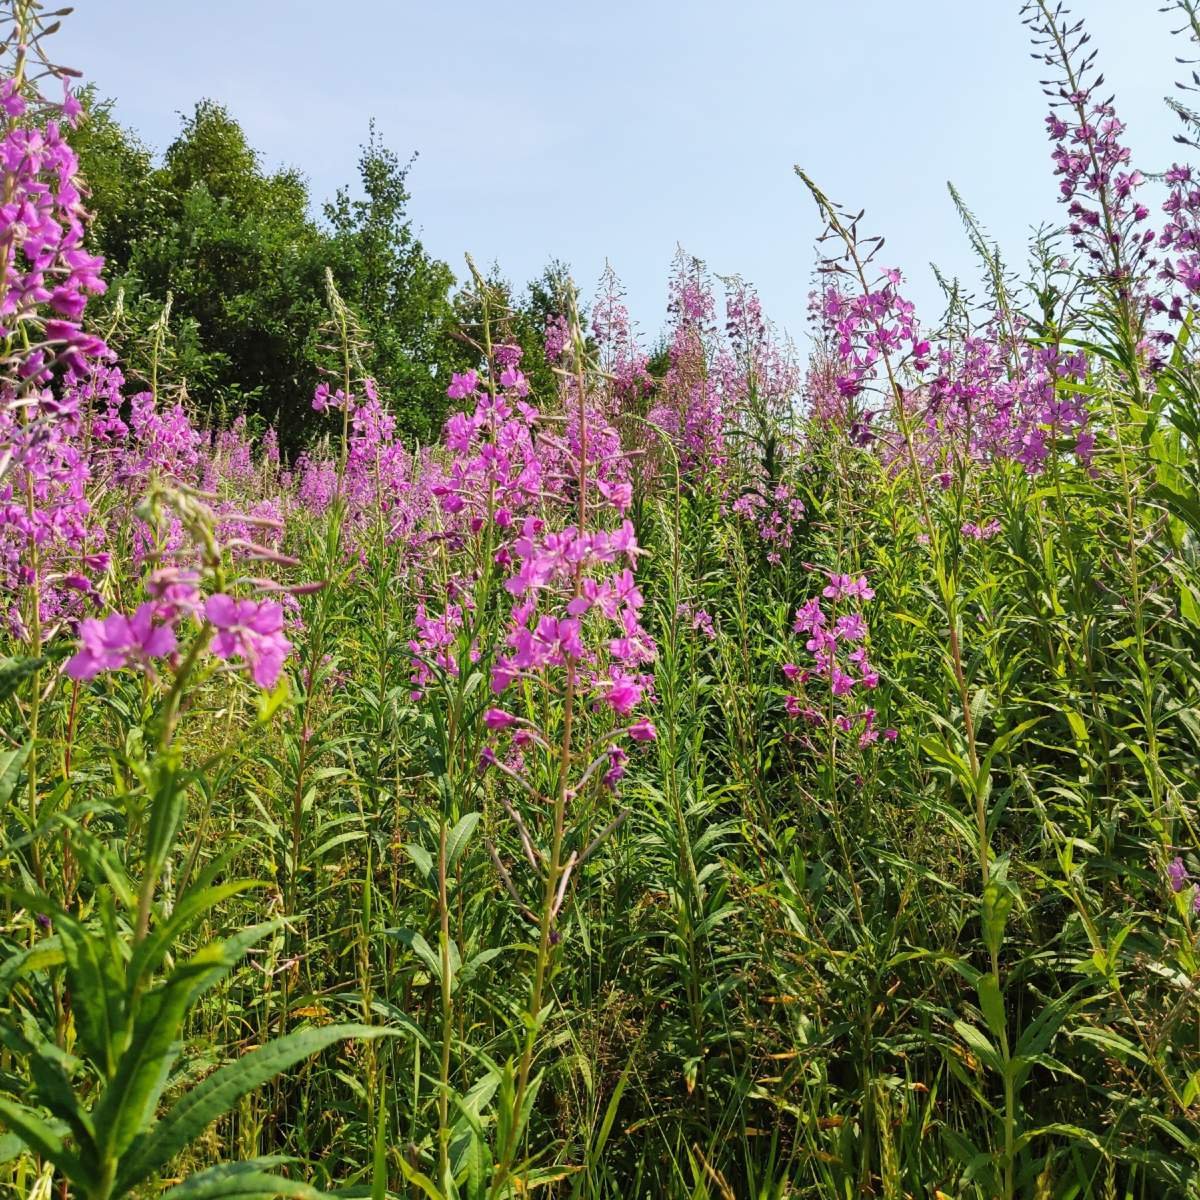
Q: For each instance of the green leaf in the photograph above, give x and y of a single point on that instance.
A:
(1040, 1032)
(417, 1178)
(458, 837)
(1186, 508)
(217, 1094)
(1003, 742)
(14, 671)
(269, 703)
(998, 898)
(424, 951)
(596, 1150)
(1188, 606)
(978, 1044)
(242, 1181)
(1060, 1129)
(44, 1139)
(421, 858)
(11, 763)
(194, 903)
(941, 753)
(991, 1003)
(46, 953)
(131, 1096)
(166, 815)
(52, 1089)
(92, 972)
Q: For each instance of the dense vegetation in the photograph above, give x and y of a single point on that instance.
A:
(695, 774)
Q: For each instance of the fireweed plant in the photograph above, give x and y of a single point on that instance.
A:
(711, 773)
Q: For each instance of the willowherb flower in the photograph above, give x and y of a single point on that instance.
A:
(1097, 182)
(251, 630)
(497, 718)
(118, 641)
(758, 376)
(700, 620)
(838, 636)
(688, 407)
(981, 533)
(176, 592)
(621, 359)
(642, 731)
(1177, 873)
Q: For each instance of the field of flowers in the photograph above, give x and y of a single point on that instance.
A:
(761, 777)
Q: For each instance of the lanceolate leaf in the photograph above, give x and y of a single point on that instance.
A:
(92, 972)
(242, 1181)
(130, 1098)
(195, 903)
(222, 1089)
(11, 762)
(46, 953)
(43, 1138)
(13, 671)
(458, 837)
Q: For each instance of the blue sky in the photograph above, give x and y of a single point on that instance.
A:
(617, 130)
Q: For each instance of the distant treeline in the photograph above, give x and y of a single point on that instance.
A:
(242, 251)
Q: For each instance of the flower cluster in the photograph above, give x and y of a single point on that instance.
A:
(1098, 185)
(1180, 237)
(43, 261)
(620, 356)
(544, 498)
(758, 376)
(873, 328)
(981, 533)
(495, 472)
(699, 619)
(249, 630)
(689, 407)
(595, 570)
(774, 513)
(837, 641)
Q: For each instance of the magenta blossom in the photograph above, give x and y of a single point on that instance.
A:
(252, 630)
(846, 585)
(118, 640)
(497, 718)
(1177, 874)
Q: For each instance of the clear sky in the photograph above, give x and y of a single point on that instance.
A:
(617, 130)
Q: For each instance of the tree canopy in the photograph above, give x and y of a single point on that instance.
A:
(242, 250)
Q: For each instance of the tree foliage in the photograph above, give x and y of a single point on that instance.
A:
(243, 254)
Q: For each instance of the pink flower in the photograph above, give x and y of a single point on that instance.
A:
(462, 386)
(840, 683)
(252, 630)
(643, 731)
(623, 693)
(176, 591)
(617, 758)
(619, 495)
(117, 640)
(1177, 874)
(497, 718)
(809, 617)
(71, 108)
(851, 626)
